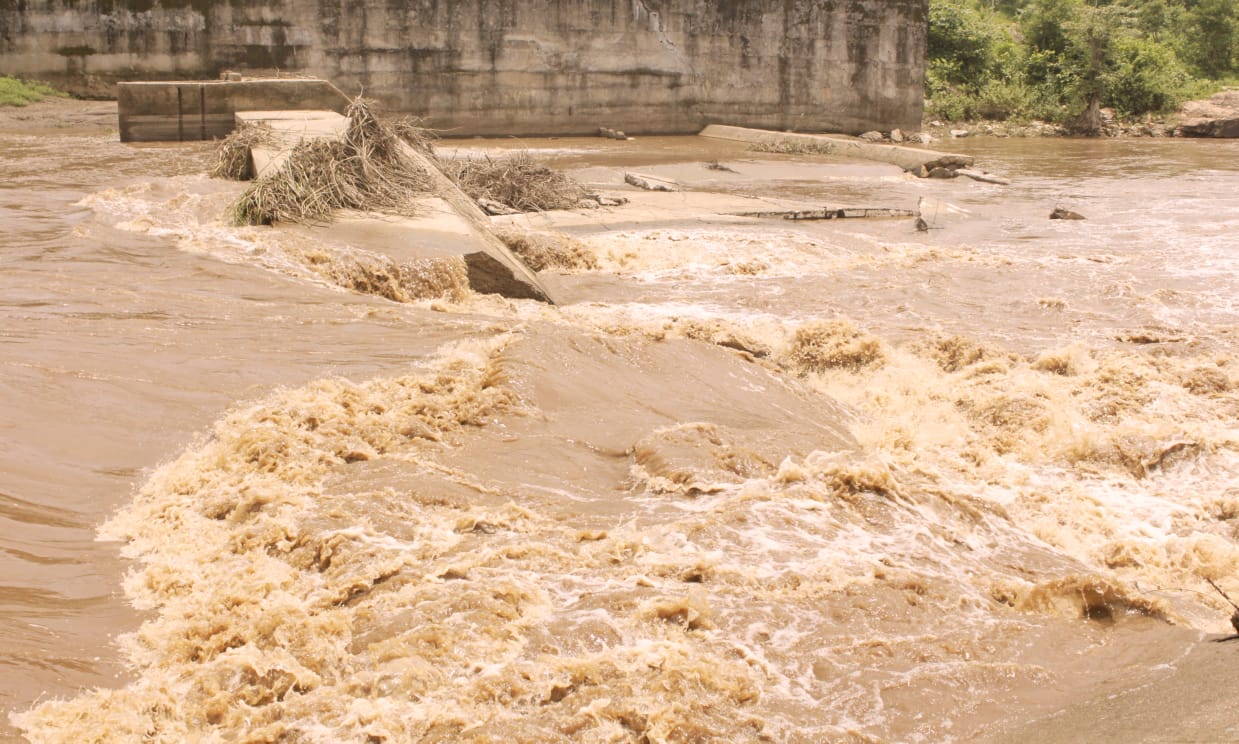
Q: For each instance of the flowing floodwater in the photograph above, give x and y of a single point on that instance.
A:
(752, 480)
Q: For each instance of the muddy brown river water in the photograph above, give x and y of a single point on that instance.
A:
(752, 480)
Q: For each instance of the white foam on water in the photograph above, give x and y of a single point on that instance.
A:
(684, 519)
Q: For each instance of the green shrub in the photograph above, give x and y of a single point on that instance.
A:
(965, 46)
(950, 105)
(1007, 99)
(1212, 31)
(1145, 77)
(1058, 59)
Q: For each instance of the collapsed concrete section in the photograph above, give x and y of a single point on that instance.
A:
(457, 226)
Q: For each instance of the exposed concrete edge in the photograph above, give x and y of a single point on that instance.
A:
(293, 127)
(494, 270)
(908, 158)
(484, 276)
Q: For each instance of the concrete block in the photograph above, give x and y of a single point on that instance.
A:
(181, 111)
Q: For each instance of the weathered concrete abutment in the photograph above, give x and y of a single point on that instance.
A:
(200, 110)
(512, 66)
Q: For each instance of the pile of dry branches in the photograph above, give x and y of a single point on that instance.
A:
(369, 169)
(413, 130)
(232, 157)
(365, 169)
(518, 181)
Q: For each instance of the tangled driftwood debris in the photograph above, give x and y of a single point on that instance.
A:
(232, 156)
(650, 183)
(366, 168)
(413, 130)
(518, 182)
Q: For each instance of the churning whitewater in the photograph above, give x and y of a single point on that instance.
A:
(751, 480)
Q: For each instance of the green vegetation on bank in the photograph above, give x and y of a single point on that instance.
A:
(1064, 60)
(14, 92)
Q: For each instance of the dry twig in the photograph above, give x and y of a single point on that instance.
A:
(1234, 619)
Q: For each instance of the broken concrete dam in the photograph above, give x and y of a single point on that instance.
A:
(524, 67)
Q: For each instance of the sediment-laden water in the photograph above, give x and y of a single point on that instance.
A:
(750, 481)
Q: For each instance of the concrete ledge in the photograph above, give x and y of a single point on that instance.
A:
(287, 129)
(908, 158)
(460, 228)
(183, 111)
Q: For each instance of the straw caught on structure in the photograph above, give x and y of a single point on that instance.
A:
(518, 181)
(413, 131)
(366, 169)
(232, 157)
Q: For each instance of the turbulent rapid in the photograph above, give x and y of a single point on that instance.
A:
(751, 480)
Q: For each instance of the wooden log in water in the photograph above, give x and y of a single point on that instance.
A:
(982, 176)
(650, 183)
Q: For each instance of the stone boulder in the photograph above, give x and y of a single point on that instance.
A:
(1215, 117)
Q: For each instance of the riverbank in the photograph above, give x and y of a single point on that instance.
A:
(1207, 117)
(69, 113)
(59, 114)
(1112, 127)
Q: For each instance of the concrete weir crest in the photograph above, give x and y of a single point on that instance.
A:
(456, 225)
(158, 111)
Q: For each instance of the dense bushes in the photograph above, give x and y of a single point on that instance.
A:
(1063, 60)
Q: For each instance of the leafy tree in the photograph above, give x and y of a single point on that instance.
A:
(1043, 24)
(1066, 59)
(962, 44)
(1093, 35)
(1213, 26)
(1145, 76)
(1159, 20)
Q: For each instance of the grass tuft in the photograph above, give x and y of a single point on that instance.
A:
(15, 92)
